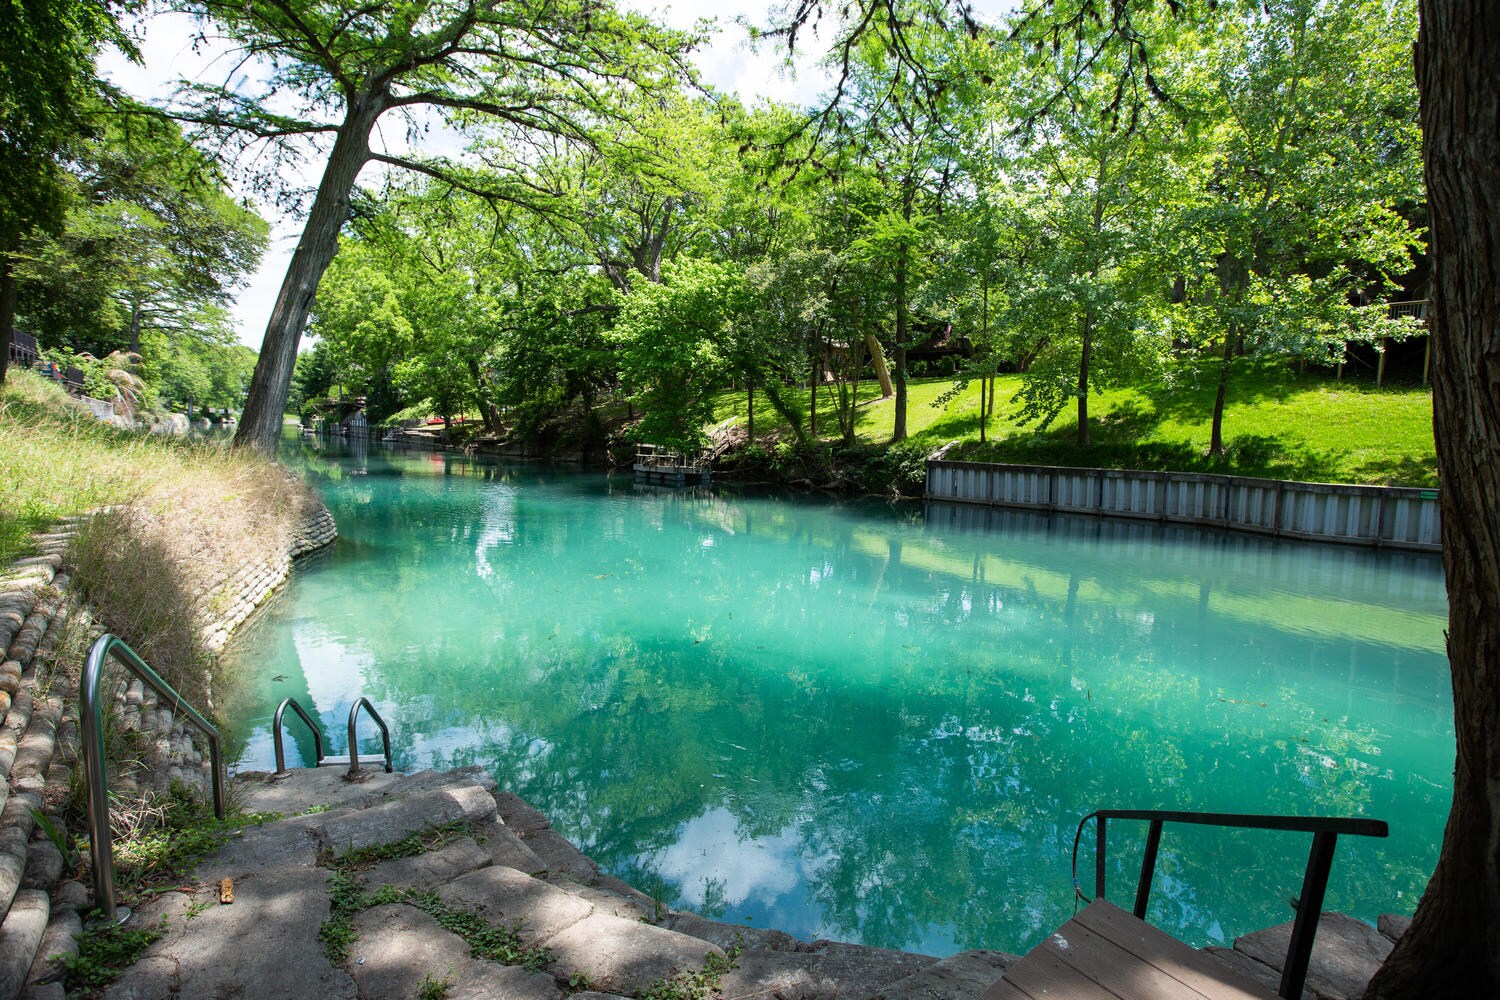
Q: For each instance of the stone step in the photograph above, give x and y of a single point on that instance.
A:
(957, 977)
(299, 789)
(400, 947)
(1346, 954)
(512, 869)
(404, 815)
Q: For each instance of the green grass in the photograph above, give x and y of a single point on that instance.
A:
(104, 951)
(347, 897)
(180, 828)
(1276, 425)
(57, 460)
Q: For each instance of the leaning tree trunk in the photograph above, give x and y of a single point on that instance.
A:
(1453, 946)
(882, 371)
(260, 424)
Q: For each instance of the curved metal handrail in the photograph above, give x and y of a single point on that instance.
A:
(91, 715)
(1325, 830)
(276, 732)
(385, 735)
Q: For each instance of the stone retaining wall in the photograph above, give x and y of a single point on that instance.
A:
(40, 748)
(244, 588)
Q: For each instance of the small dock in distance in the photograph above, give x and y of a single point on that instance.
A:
(658, 465)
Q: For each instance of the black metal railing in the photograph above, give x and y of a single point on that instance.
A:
(1325, 830)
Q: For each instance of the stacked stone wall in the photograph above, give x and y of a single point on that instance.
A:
(40, 900)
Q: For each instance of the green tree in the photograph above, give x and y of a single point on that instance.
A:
(899, 96)
(1312, 149)
(528, 69)
(676, 347)
(152, 239)
(47, 81)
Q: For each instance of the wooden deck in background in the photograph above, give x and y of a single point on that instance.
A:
(1104, 953)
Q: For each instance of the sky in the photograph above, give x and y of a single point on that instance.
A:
(727, 63)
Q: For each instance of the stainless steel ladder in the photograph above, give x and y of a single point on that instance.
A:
(354, 758)
(91, 712)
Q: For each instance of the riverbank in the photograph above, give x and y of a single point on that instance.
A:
(1279, 426)
(786, 961)
(46, 628)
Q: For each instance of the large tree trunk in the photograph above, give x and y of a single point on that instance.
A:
(1453, 946)
(260, 425)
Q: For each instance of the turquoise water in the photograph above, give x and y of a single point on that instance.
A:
(874, 723)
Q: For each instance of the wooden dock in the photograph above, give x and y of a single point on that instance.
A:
(1104, 953)
(656, 465)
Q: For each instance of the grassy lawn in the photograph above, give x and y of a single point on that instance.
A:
(57, 460)
(1276, 425)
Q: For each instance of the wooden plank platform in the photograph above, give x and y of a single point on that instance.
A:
(1104, 953)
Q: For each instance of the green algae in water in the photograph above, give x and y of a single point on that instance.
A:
(872, 723)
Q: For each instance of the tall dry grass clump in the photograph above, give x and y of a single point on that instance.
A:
(177, 519)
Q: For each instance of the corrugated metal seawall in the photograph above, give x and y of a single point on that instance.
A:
(1395, 517)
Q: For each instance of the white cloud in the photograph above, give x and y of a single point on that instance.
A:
(710, 850)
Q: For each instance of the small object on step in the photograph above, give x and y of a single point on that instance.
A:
(226, 891)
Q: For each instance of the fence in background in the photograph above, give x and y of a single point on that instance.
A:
(1395, 517)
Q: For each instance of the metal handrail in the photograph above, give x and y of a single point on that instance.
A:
(91, 713)
(385, 735)
(276, 733)
(354, 761)
(1325, 831)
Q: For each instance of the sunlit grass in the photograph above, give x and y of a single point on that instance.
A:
(56, 460)
(187, 515)
(1276, 425)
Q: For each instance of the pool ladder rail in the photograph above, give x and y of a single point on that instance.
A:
(92, 697)
(354, 758)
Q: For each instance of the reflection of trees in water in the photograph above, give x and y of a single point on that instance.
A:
(927, 784)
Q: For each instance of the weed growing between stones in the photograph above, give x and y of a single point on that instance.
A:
(434, 989)
(696, 985)
(66, 844)
(347, 897)
(485, 940)
(164, 835)
(358, 859)
(103, 953)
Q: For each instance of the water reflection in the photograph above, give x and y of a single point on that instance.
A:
(870, 723)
